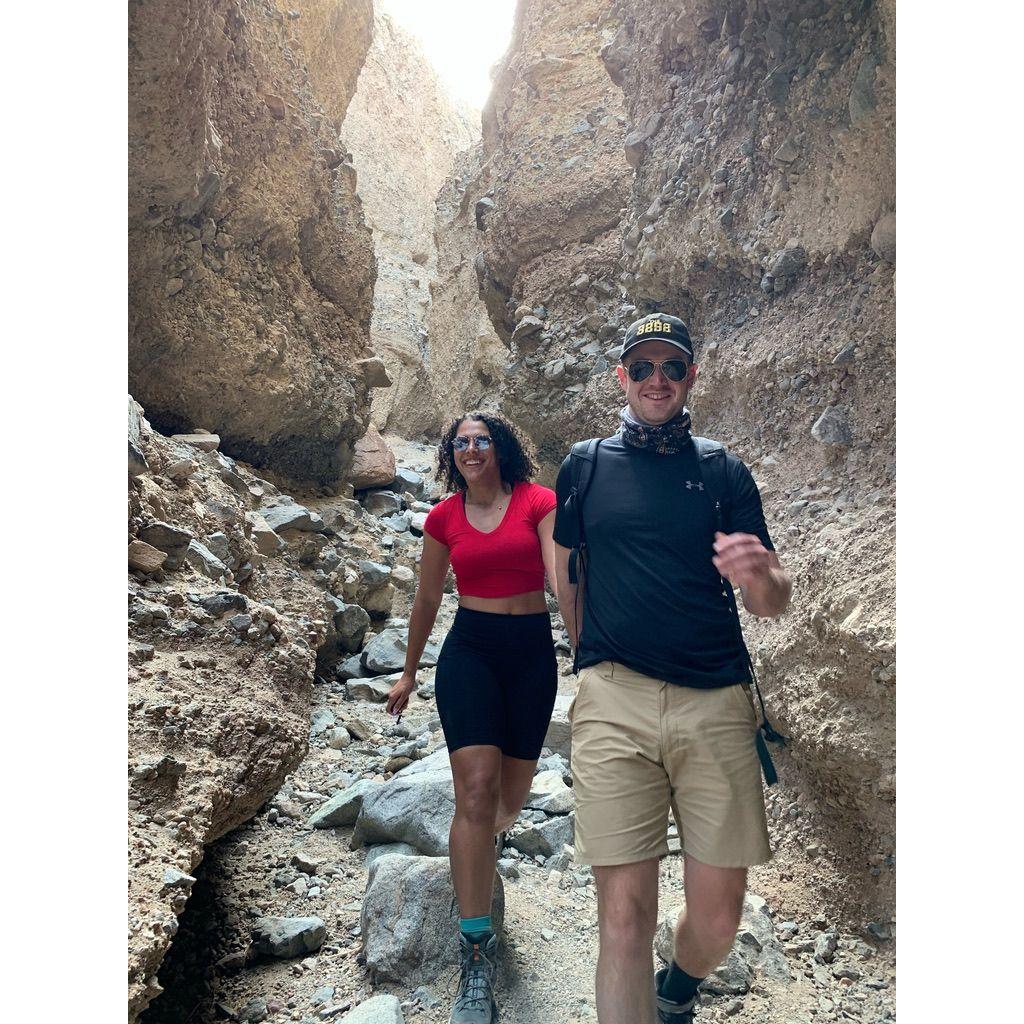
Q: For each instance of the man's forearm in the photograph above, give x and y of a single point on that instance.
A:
(567, 606)
(769, 595)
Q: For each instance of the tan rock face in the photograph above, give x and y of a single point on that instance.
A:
(404, 133)
(748, 187)
(251, 269)
(374, 462)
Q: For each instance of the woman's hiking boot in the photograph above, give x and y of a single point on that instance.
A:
(475, 1002)
(670, 1012)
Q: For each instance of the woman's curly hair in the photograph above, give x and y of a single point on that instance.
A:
(517, 459)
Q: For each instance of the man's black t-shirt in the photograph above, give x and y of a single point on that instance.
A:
(653, 599)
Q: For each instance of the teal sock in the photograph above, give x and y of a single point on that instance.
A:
(476, 929)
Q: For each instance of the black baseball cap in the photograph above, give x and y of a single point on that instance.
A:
(658, 326)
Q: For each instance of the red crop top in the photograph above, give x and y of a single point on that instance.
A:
(501, 563)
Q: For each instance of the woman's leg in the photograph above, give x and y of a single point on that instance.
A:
(477, 774)
(516, 779)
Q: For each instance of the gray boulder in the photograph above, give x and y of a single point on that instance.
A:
(414, 807)
(410, 481)
(288, 937)
(755, 951)
(172, 540)
(343, 808)
(385, 1009)
(350, 623)
(375, 690)
(382, 503)
(559, 735)
(831, 427)
(204, 561)
(374, 853)
(137, 464)
(292, 516)
(351, 668)
(549, 793)
(409, 925)
(385, 653)
(546, 839)
(373, 574)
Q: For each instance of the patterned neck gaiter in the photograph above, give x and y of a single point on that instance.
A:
(663, 438)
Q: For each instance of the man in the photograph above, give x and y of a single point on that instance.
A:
(660, 716)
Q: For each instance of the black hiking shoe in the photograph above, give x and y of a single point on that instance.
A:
(475, 1002)
(670, 1012)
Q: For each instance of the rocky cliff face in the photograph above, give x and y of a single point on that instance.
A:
(251, 268)
(732, 163)
(404, 133)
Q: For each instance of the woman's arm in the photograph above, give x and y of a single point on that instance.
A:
(433, 570)
(545, 530)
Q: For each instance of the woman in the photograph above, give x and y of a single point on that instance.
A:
(496, 675)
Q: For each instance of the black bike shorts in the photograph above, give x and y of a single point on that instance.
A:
(496, 681)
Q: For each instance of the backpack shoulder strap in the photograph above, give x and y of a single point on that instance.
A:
(583, 457)
(712, 466)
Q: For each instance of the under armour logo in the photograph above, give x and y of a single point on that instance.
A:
(690, 485)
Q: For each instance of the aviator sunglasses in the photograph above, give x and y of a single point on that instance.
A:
(641, 369)
(461, 444)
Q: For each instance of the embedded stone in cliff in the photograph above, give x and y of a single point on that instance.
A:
(636, 140)
(862, 92)
(831, 427)
(883, 238)
(373, 464)
(374, 372)
(137, 464)
(145, 557)
(527, 329)
(204, 442)
(292, 516)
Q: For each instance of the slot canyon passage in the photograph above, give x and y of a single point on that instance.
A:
(329, 257)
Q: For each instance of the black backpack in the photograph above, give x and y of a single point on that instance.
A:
(711, 464)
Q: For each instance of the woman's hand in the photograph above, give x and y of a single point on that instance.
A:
(400, 693)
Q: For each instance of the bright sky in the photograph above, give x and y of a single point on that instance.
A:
(463, 39)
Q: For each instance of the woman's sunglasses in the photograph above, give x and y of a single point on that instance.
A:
(641, 369)
(461, 444)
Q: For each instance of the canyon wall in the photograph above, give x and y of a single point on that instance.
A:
(251, 267)
(733, 163)
(404, 133)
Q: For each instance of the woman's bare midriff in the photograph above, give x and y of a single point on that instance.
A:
(517, 604)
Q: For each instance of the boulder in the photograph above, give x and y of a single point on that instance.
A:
(343, 808)
(145, 557)
(292, 516)
(385, 653)
(375, 690)
(413, 807)
(558, 738)
(374, 372)
(883, 238)
(546, 839)
(204, 442)
(831, 427)
(756, 950)
(263, 536)
(373, 464)
(351, 623)
(384, 1009)
(373, 574)
(411, 481)
(172, 540)
(204, 561)
(137, 464)
(382, 503)
(549, 793)
(288, 937)
(409, 923)
(374, 853)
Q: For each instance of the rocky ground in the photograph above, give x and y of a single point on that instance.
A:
(348, 856)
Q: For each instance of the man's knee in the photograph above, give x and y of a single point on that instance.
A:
(627, 907)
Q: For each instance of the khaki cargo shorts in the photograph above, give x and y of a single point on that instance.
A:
(641, 745)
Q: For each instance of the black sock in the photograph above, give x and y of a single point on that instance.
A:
(678, 985)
